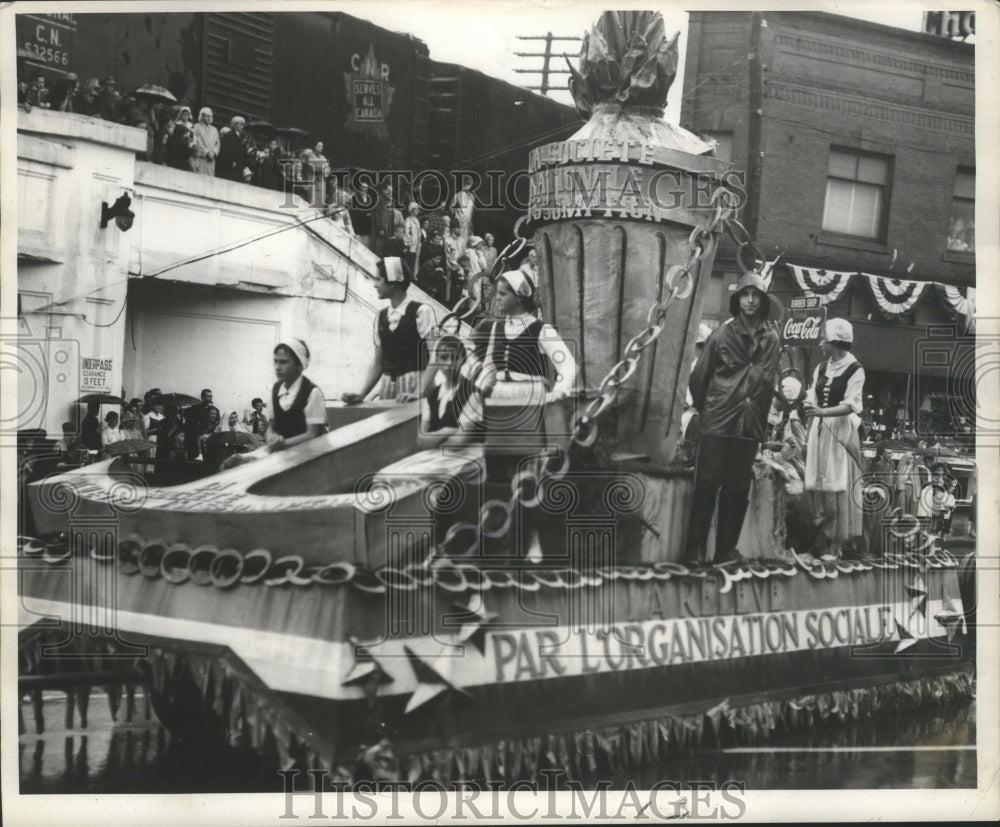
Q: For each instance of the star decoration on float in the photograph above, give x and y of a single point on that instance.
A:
(478, 621)
(906, 640)
(918, 595)
(430, 682)
(950, 618)
(366, 671)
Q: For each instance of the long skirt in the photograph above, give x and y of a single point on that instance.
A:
(833, 480)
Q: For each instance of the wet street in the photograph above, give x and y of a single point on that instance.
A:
(932, 750)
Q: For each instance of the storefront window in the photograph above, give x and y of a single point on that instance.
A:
(962, 223)
(856, 194)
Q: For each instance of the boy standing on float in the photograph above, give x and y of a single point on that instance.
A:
(731, 386)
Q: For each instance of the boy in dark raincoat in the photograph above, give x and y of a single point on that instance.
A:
(731, 386)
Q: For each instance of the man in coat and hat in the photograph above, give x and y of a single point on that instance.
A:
(731, 386)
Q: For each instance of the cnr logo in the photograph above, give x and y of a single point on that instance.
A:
(369, 67)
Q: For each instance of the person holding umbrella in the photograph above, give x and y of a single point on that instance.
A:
(90, 428)
(833, 452)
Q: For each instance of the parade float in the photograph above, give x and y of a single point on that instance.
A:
(366, 606)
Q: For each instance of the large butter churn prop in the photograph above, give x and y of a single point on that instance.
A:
(620, 213)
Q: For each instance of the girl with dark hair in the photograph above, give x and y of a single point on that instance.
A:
(402, 332)
(452, 406)
(833, 452)
(299, 409)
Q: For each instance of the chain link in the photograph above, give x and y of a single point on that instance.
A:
(678, 285)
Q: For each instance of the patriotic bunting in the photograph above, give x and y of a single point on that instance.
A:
(895, 296)
(959, 305)
(827, 285)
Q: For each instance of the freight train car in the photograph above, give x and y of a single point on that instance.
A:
(483, 125)
(359, 88)
(374, 97)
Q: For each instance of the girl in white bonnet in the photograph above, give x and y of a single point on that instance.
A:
(833, 452)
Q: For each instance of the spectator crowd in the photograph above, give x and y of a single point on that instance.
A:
(445, 256)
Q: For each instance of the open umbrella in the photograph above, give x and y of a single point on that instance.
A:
(101, 399)
(177, 400)
(292, 136)
(129, 446)
(259, 128)
(154, 92)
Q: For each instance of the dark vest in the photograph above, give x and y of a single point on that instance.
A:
(453, 410)
(522, 354)
(830, 393)
(403, 351)
(293, 421)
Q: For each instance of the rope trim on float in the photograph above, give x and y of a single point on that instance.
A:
(207, 565)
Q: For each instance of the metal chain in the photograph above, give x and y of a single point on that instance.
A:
(495, 516)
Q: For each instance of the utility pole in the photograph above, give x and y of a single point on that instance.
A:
(751, 215)
(546, 71)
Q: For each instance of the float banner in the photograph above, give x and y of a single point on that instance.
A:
(295, 638)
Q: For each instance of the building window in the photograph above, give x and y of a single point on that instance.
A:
(857, 194)
(962, 222)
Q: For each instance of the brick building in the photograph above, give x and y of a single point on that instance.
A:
(859, 144)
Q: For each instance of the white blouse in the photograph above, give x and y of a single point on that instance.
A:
(853, 394)
(315, 411)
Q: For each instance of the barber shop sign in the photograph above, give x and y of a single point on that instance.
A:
(804, 322)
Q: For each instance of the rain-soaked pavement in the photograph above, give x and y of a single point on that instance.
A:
(934, 749)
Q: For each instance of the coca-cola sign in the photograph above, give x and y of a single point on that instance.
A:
(803, 327)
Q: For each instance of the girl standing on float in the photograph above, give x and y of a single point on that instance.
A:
(520, 364)
(402, 332)
(833, 451)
